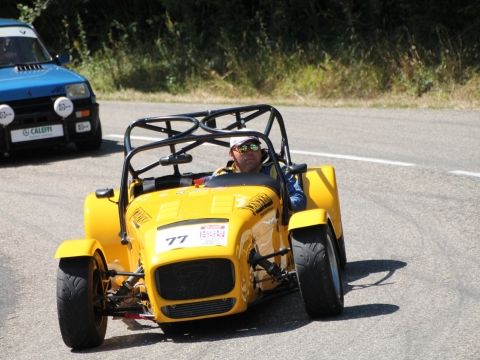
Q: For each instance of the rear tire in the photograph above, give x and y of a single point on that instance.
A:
(81, 301)
(318, 270)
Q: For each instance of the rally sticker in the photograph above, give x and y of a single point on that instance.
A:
(21, 31)
(209, 234)
(83, 126)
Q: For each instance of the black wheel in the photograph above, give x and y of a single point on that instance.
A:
(318, 271)
(81, 301)
(93, 143)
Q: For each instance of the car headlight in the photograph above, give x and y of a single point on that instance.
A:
(6, 114)
(77, 91)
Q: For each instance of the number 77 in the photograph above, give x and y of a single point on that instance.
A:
(172, 239)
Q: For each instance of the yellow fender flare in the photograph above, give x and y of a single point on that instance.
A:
(78, 247)
(307, 218)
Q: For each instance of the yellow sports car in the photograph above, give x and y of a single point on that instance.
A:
(174, 243)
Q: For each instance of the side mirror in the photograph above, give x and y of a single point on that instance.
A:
(175, 159)
(296, 169)
(104, 193)
(62, 59)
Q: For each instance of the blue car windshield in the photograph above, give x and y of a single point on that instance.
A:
(16, 50)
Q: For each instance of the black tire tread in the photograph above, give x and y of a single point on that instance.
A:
(75, 310)
(313, 273)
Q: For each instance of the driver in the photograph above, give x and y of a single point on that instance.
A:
(246, 157)
(6, 55)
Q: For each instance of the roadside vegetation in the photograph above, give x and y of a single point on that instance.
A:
(367, 53)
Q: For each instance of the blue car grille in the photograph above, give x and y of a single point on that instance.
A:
(195, 279)
(39, 110)
(202, 308)
(32, 111)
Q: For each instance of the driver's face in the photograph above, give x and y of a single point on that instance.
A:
(3, 43)
(247, 161)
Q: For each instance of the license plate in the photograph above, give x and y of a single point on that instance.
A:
(37, 133)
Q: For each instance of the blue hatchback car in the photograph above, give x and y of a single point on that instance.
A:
(41, 102)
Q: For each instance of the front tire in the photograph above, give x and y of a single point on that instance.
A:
(318, 270)
(81, 300)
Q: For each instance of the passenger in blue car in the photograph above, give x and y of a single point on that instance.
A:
(246, 157)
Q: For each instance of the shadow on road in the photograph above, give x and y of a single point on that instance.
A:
(48, 155)
(285, 313)
(362, 269)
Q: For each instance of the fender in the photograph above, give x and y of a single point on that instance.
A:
(320, 186)
(307, 218)
(101, 219)
(78, 247)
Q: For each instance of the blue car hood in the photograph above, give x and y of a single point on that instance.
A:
(50, 80)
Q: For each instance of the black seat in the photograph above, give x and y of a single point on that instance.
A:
(162, 183)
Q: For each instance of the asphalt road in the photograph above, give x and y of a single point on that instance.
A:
(409, 183)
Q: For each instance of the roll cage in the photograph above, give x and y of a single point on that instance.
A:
(201, 128)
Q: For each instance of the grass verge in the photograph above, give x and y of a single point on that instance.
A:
(361, 79)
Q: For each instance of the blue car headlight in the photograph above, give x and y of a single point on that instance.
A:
(77, 91)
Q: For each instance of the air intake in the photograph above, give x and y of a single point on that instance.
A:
(195, 279)
(28, 67)
(202, 308)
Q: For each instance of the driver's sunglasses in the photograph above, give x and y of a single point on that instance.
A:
(247, 147)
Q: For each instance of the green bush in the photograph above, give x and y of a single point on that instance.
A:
(276, 48)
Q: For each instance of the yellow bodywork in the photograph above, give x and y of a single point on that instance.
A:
(102, 229)
(249, 218)
(246, 230)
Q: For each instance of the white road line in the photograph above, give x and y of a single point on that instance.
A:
(321, 154)
(467, 173)
(352, 157)
(135, 137)
(300, 152)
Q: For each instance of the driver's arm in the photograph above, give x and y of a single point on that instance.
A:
(298, 200)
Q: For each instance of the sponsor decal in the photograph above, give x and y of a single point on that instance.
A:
(17, 31)
(41, 132)
(37, 131)
(83, 126)
(212, 233)
(258, 203)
